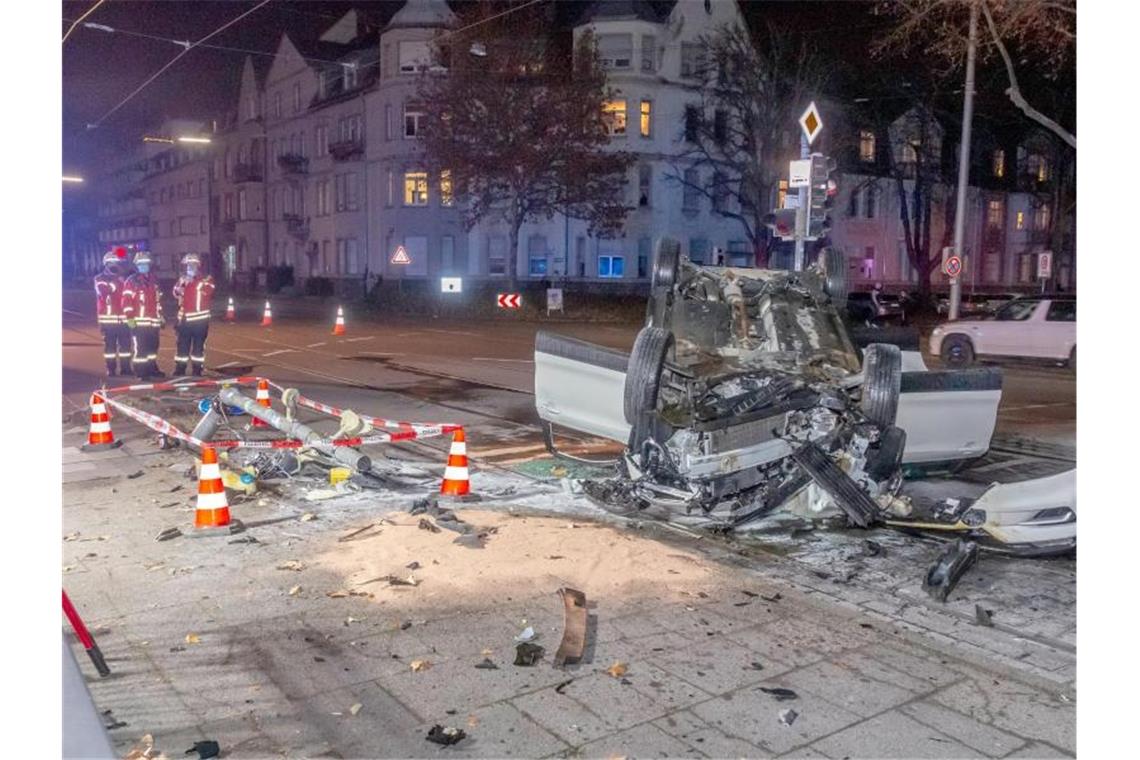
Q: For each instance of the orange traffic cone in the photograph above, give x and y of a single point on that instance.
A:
(456, 480)
(213, 509)
(100, 437)
(267, 318)
(338, 328)
(230, 314)
(262, 400)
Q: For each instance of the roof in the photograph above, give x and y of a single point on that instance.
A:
(642, 10)
(421, 14)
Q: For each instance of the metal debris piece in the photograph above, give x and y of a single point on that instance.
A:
(168, 534)
(983, 616)
(779, 693)
(573, 643)
(294, 591)
(788, 716)
(111, 722)
(445, 736)
(949, 568)
(357, 532)
(486, 664)
(426, 524)
(134, 475)
(244, 540)
(872, 548)
(527, 654)
(308, 516)
(561, 688)
(413, 565)
(205, 749)
(526, 635)
(355, 708)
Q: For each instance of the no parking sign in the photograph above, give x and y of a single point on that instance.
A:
(953, 266)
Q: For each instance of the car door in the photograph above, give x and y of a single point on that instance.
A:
(1006, 333)
(948, 416)
(580, 386)
(1056, 334)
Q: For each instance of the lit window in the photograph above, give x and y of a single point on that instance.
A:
(1020, 220)
(910, 152)
(999, 164)
(446, 193)
(995, 214)
(646, 118)
(613, 111)
(866, 145)
(1041, 219)
(415, 188)
(611, 266)
(1038, 167)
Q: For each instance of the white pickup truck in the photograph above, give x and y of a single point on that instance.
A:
(1033, 327)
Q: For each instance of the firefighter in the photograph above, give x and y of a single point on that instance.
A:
(142, 306)
(109, 303)
(194, 293)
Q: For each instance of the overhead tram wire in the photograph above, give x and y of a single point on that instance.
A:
(79, 20)
(189, 46)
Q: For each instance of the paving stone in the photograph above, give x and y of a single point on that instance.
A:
(808, 752)
(664, 688)
(498, 730)
(754, 716)
(980, 736)
(872, 668)
(892, 735)
(641, 741)
(619, 705)
(1039, 752)
(1014, 707)
(916, 663)
(773, 650)
(716, 666)
(844, 686)
(563, 716)
(706, 739)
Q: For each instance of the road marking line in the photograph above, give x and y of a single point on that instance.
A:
(451, 332)
(494, 359)
(69, 311)
(314, 345)
(1037, 406)
(281, 351)
(381, 353)
(354, 340)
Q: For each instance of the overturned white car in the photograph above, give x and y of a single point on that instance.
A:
(744, 394)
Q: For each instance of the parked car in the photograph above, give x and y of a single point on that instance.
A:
(1032, 327)
(860, 308)
(976, 304)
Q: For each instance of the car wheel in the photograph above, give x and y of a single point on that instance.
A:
(643, 375)
(886, 458)
(666, 259)
(1073, 359)
(834, 276)
(882, 382)
(957, 351)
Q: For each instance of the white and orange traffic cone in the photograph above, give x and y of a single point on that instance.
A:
(338, 328)
(213, 509)
(267, 318)
(262, 400)
(456, 479)
(231, 315)
(100, 437)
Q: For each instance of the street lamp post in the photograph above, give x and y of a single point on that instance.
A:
(964, 158)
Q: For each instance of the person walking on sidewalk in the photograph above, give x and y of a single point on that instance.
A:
(142, 307)
(194, 293)
(109, 286)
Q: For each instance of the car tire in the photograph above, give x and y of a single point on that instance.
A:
(666, 260)
(834, 266)
(886, 458)
(643, 375)
(882, 383)
(957, 351)
(1073, 359)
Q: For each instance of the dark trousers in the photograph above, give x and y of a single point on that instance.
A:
(144, 343)
(116, 346)
(191, 346)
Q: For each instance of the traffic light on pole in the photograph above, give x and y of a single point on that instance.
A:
(821, 193)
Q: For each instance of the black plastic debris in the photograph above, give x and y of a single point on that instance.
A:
(983, 616)
(134, 475)
(413, 565)
(445, 736)
(779, 693)
(168, 534)
(110, 722)
(561, 688)
(788, 717)
(873, 548)
(420, 506)
(756, 666)
(774, 598)
(486, 664)
(205, 749)
(949, 568)
(527, 654)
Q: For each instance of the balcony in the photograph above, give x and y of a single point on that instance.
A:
(248, 173)
(297, 226)
(346, 150)
(293, 163)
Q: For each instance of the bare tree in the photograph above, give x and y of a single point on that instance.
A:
(1045, 29)
(519, 126)
(752, 92)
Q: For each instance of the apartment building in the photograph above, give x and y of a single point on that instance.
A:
(176, 190)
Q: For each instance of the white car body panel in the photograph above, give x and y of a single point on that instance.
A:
(580, 395)
(947, 425)
(1010, 508)
(1036, 337)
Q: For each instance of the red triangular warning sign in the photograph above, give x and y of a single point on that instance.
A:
(400, 256)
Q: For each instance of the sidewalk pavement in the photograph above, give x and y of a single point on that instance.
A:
(209, 639)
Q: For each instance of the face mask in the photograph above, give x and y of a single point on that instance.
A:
(143, 267)
(192, 270)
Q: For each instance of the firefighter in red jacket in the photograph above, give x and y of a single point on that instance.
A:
(142, 307)
(109, 302)
(194, 293)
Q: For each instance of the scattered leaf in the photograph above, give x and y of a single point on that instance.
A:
(355, 708)
(472, 721)
(72, 537)
(192, 638)
(418, 665)
(336, 594)
(292, 564)
(305, 518)
(69, 568)
(618, 669)
(487, 652)
(294, 591)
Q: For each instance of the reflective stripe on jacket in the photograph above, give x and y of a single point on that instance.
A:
(109, 298)
(195, 296)
(141, 299)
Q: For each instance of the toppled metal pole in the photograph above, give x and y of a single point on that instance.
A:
(309, 437)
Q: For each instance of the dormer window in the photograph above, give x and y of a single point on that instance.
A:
(615, 51)
(414, 56)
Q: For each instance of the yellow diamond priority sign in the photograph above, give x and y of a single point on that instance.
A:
(810, 123)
